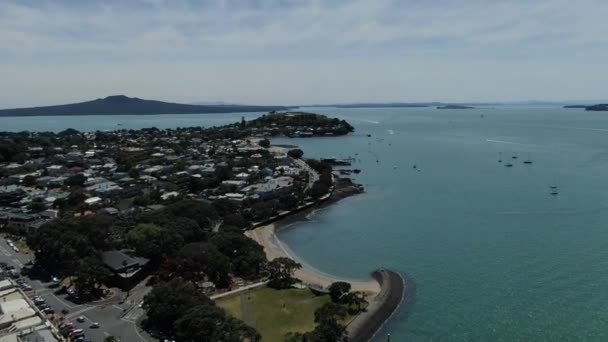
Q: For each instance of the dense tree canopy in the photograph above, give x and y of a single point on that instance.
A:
(61, 244)
(178, 310)
(200, 259)
(210, 323)
(247, 257)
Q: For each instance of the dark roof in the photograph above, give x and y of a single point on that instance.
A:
(118, 260)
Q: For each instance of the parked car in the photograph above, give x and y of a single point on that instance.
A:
(95, 325)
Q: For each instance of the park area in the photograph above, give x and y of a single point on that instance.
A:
(274, 313)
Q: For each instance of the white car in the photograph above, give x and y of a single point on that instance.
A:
(16, 249)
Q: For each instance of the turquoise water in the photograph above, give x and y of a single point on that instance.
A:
(492, 254)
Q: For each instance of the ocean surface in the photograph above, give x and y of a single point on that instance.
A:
(489, 252)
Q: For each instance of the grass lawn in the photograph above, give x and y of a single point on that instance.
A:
(22, 245)
(274, 313)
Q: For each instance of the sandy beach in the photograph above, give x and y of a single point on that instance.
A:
(274, 248)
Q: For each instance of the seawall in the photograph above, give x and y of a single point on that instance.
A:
(381, 307)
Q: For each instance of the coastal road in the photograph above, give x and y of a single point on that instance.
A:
(313, 175)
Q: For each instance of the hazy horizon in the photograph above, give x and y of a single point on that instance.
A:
(302, 52)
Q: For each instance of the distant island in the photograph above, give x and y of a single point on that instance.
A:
(598, 107)
(123, 105)
(455, 107)
(575, 106)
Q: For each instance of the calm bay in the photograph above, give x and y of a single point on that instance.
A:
(492, 255)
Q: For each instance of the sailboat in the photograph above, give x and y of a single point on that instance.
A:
(500, 157)
(528, 161)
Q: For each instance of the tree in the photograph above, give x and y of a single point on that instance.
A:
(265, 143)
(204, 214)
(145, 238)
(29, 180)
(295, 153)
(76, 180)
(168, 301)
(134, 172)
(357, 299)
(338, 291)
(210, 323)
(281, 272)
(60, 244)
(247, 257)
(330, 311)
(318, 189)
(328, 328)
(36, 206)
(203, 257)
(90, 275)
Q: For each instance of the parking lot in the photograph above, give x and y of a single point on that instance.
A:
(115, 316)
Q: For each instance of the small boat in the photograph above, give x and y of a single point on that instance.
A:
(553, 186)
(528, 161)
(508, 165)
(356, 171)
(369, 135)
(514, 157)
(414, 167)
(500, 157)
(554, 192)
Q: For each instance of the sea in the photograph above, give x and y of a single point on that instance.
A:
(489, 253)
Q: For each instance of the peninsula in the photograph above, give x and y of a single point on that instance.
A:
(123, 105)
(195, 208)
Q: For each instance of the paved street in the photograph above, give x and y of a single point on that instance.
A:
(108, 313)
(313, 175)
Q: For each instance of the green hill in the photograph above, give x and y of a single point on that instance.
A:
(123, 105)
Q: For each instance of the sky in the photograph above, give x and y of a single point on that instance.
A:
(302, 51)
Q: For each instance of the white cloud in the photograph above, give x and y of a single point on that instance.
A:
(324, 45)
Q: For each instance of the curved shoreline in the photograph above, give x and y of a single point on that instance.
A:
(274, 248)
(385, 291)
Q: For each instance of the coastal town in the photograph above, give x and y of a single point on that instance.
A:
(130, 235)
